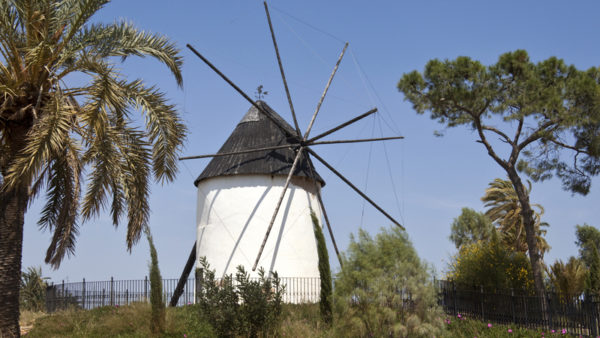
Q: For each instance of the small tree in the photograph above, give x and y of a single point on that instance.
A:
(541, 112)
(471, 226)
(325, 297)
(384, 290)
(157, 319)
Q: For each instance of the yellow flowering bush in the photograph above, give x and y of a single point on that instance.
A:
(491, 264)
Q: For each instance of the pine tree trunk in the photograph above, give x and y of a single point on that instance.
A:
(530, 236)
(12, 211)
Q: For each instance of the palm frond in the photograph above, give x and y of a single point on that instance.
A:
(46, 138)
(103, 159)
(135, 166)
(167, 131)
(124, 40)
(61, 211)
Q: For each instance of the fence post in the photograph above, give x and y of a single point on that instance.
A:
(595, 314)
(512, 304)
(63, 294)
(103, 295)
(112, 291)
(145, 288)
(482, 297)
(126, 296)
(83, 294)
(454, 295)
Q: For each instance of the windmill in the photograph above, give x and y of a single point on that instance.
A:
(265, 157)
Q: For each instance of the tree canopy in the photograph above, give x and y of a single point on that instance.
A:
(471, 226)
(552, 109)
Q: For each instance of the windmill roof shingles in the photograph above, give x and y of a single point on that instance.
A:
(256, 130)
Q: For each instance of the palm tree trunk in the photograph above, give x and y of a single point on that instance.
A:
(13, 204)
(530, 236)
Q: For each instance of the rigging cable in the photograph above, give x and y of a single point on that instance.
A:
(362, 214)
(387, 160)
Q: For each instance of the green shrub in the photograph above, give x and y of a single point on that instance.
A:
(244, 306)
(384, 289)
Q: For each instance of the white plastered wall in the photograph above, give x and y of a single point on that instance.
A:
(233, 216)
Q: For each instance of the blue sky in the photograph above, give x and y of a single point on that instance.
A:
(432, 177)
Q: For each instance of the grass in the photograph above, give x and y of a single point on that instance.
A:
(124, 321)
(296, 321)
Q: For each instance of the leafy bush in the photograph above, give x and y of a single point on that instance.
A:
(491, 264)
(384, 289)
(33, 289)
(244, 306)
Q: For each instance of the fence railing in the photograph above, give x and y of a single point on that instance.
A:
(89, 295)
(577, 315)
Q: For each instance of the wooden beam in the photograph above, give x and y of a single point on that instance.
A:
(241, 92)
(337, 64)
(356, 141)
(337, 252)
(354, 187)
(184, 277)
(287, 183)
(240, 152)
(360, 117)
(287, 90)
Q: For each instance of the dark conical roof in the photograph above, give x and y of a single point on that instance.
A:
(256, 130)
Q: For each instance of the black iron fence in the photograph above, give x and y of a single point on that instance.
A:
(577, 315)
(89, 295)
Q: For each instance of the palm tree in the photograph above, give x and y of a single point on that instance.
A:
(505, 210)
(33, 289)
(568, 279)
(50, 131)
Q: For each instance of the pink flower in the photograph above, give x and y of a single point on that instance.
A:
(459, 316)
(563, 331)
(489, 324)
(509, 330)
(184, 335)
(552, 331)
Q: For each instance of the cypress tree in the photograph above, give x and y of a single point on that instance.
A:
(325, 301)
(157, 318)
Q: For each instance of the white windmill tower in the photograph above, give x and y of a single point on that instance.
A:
(262, 180)
(237, 195)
